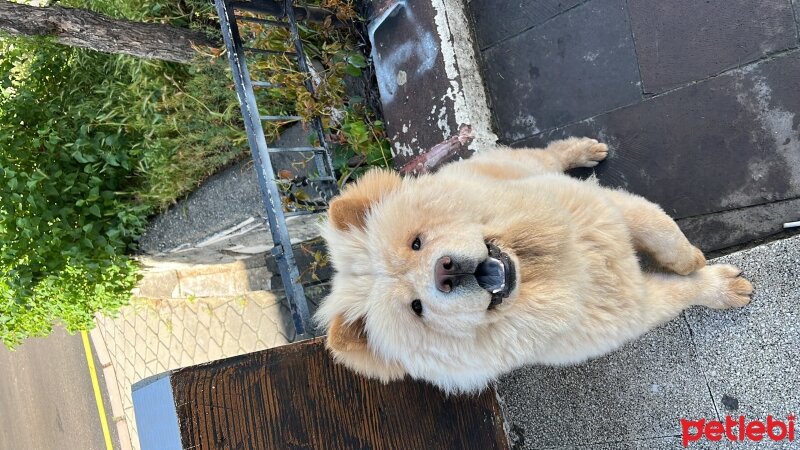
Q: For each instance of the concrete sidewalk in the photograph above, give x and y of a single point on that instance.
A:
(152, 336)
(704, 364)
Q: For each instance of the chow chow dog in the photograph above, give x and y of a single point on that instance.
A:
(499, 261)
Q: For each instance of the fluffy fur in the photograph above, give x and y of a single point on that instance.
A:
(580, 291)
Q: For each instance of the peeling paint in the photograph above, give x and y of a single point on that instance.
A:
(401, 149)
(466, 85)
(442, 123)
(591, 56)
(527, 123)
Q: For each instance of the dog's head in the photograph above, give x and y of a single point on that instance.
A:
(417, 274)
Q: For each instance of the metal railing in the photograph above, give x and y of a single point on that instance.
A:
(282, 14)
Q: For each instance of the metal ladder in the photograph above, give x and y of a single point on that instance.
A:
(282, 14)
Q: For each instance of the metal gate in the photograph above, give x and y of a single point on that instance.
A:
(278, 14)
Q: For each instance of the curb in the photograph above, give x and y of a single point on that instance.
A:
(112, 388)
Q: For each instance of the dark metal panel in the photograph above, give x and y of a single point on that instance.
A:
(580, 64)
(726, 143)
(413, 82)
(679, 41)
(496, 20)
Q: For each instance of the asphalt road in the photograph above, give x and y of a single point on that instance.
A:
(46, 397)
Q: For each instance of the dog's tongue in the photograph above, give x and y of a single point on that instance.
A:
(491, 275)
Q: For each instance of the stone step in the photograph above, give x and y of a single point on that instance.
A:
(177, 280)
(258, 272)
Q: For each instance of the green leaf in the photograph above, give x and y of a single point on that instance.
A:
(357, 60)
(79, 157)
(95, 211)
(353, 71)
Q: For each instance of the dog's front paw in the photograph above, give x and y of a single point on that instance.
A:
(579, 152)
(587, 152)
(595, 152)
(731, 290)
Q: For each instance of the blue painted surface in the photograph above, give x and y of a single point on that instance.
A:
(156, 417)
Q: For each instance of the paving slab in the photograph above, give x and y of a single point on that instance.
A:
(663, 443)
(750, 355)
(796, 5)
(496, 21)
(704, 364)
(580, 64)
(679, 41)
(728, 142)
(740, 226)
(155, 335)
(638, 392)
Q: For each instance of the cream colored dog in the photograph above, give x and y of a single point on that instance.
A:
(500, 261)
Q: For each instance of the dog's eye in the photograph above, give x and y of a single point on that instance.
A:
(416, 244)
(416, 306)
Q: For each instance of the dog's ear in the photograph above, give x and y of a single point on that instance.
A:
(348, 343)
(347, 337)
(350, 209)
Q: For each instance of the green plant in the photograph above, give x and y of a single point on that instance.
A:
(359, 138)
(66, 216)
(92, 144)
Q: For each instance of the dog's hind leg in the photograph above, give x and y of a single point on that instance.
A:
(719, 286)
(656, 234)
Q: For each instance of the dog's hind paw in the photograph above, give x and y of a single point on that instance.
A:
(732, 290)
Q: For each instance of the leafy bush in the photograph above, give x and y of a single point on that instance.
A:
(66, 215)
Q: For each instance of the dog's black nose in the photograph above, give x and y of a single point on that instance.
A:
(445, 272)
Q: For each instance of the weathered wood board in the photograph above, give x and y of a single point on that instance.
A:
(297, 397)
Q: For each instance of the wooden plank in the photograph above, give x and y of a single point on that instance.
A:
(297, 397)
